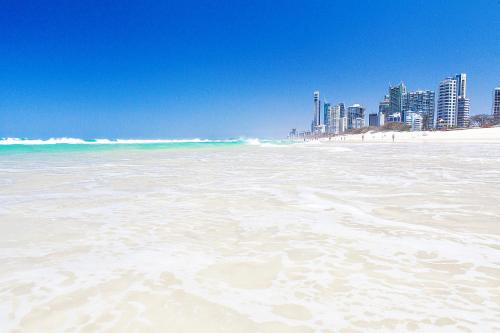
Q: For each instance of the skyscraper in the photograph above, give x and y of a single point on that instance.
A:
(355, 116)
(385, 106)
(423, 103)
(496, 104)
(396, 94)
(333, 125)
(463, 103)
(447, 103)
(463, 112)
(317, 109)
(342, 110)
(461, 84)
(326, 114)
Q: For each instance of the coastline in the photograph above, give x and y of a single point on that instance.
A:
(471, 135)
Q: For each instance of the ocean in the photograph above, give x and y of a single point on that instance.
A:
(248, 236)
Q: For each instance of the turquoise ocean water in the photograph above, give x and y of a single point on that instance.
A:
(66, 145)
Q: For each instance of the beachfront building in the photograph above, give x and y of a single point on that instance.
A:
(463, 103)
(423, 103)
(355, 116)
(332, 126)
(373, 119)
(463, 112)
(396, 97)
(415, 121)
(342, 124)
(447, 103)
(336, 124)
(385, 106)
(342, 110)
(326, 115)
(393, 118)
(316, 124)
(461, 84)
(381, 119)
(496, 104)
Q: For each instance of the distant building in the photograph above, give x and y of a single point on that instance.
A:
(414, 120)
(373, 120)
(317, 111)
(385, 106)
(355, 116)
(396, 95)
(463, 112)
(463, 103)
(393, 118)
(326, 115)
(381, 119)
(461, 85)
(496, 103)
(447, 103)
(423, 103)
(342, 110)
(293, 134)
(333, 126)
(342, 124)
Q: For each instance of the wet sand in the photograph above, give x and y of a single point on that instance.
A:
(316, 237)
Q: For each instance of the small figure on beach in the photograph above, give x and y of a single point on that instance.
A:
(363, 138)
(392, 137)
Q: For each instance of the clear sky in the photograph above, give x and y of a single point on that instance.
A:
(216, 69)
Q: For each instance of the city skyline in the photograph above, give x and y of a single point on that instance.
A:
(417, 109)
(172, 70)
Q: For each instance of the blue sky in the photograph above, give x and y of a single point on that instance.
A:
(214, 69)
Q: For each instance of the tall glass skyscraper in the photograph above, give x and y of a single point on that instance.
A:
(326, 114)
(317, 112)
(496, 104)
(461, 84)
(463, 103)
(396, 95)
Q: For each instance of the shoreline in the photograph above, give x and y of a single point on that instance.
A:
(470, 135)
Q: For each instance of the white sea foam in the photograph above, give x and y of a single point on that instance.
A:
(52, 141)
(379, 238)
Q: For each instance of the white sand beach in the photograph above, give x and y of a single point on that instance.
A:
(262, 237)
(472, 135)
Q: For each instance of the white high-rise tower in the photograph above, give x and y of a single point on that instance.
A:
(447, 103)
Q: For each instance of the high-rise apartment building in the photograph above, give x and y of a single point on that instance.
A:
(421, 102)
(342, 110)
(463, 103)
(385, 106)
(496, 104)
(333, 125)
(463, 112)
(461, 84)
(317, 110)
(414, 120)
(326, 114)
(447, 103)
(396, 95)
(355, 116)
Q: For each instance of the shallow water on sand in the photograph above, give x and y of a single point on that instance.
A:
(251, 238)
